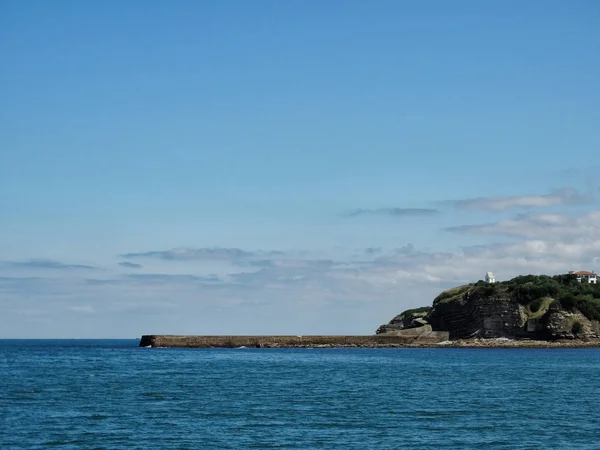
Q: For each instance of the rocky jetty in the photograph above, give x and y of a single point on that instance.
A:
(527, 307)
(379, 341)
(413, 337)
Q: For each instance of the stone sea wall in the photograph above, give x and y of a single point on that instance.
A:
(425, 337)
(435, 340)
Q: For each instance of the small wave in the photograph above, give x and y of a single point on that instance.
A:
(99, 417)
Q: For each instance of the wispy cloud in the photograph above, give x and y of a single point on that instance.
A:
(558, 227)
(291, 263)
(366, 289)
(393, 212)
(184, 254)
(566, 196)
(170, 278)
(47, 264)
(131, 265)
(102, 282)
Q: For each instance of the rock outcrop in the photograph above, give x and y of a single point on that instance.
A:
(528, 307)
(411, 318)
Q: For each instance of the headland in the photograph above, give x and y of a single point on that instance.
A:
(531, 311)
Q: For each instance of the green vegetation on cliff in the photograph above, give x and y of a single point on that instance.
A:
(537, 293)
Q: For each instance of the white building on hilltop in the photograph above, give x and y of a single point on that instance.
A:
(584, 275)
(490, 278)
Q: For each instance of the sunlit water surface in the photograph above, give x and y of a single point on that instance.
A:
(112, 394)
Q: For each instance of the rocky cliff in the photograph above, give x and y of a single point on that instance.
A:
(533, 307)
(411, 318)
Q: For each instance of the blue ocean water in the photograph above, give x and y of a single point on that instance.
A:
(112, 394)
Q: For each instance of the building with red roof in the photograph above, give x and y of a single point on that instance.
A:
(590, 277)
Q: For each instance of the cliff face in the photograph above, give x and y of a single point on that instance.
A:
(467, 313)
(526, 307)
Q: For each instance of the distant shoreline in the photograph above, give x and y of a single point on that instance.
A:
(374, 341)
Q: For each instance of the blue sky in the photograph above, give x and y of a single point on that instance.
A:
(287, 167)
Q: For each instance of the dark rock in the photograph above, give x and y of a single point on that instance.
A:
(411, 318)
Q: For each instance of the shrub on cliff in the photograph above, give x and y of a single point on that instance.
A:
(536, 304)
(590, 308)
(567, 301)
(453, 294)
(486, 289)
(566, 279)
(527, 288)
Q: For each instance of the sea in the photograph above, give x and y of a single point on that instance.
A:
(111, 394)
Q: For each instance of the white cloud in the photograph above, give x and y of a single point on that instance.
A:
(184, 254)
(557, 227)
(565, 196)
(307, 295)
(393, 212)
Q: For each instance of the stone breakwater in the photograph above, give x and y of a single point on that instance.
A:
(291, 341)
(432, 340)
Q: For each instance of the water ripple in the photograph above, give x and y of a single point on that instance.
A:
(110, 394)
